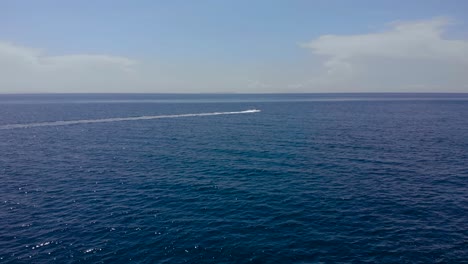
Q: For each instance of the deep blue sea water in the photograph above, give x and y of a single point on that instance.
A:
(331, 178)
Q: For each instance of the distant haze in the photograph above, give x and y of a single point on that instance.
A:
(237, 46)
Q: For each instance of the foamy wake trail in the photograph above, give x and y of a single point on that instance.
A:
(118, 119)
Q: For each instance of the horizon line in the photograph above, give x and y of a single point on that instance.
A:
(215, 93)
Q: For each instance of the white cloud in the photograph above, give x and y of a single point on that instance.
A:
(256, 85)
(29, 70)
(411, 56)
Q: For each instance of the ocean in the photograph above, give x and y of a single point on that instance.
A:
(174, 178)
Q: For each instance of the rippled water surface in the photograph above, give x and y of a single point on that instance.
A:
(310, 178)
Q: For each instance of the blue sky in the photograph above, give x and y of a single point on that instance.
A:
(248, 46)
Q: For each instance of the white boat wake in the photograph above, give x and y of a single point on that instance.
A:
(118, 119)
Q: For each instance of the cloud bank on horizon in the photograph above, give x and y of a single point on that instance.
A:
(410, 56)
(407, 56)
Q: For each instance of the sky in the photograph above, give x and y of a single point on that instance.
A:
(241, 46)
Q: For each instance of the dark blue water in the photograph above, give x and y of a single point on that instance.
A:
(310, 178)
